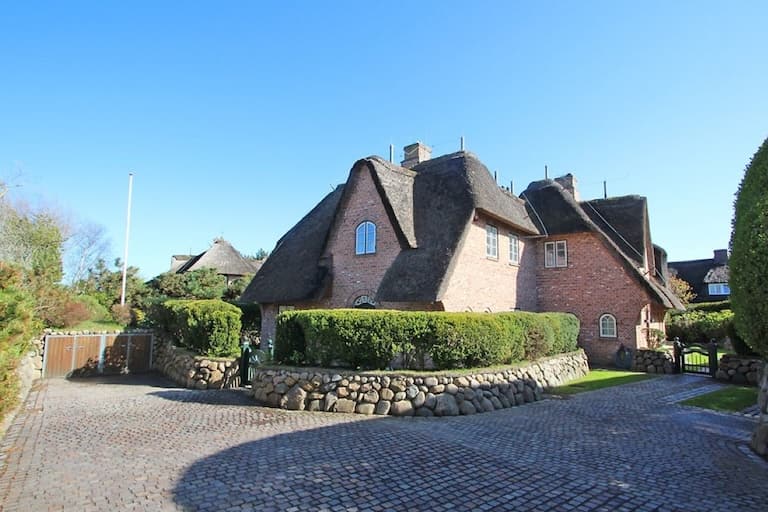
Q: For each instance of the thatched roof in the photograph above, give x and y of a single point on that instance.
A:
(224, 258)
(621, 223)
(431, 208)
(699, 274)
(294, 270)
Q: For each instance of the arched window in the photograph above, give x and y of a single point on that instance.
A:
(607, 326)
(365, 238)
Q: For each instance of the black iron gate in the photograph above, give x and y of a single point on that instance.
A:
(698, 359)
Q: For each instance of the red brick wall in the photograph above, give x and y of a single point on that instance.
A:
(594, 283)
(355, 275)
(479, 283)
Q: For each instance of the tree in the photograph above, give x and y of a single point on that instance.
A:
(682, 289)
(105, 285)
(197, 284)
(261, 254)
(86, 245)
(749, 254)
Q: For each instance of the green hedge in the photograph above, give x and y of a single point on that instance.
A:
(372, 339)
(209, 327)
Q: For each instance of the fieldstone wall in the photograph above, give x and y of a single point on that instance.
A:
(760, 435)
(739, 370)
(194, 371)
(653, 361)
(409, 395)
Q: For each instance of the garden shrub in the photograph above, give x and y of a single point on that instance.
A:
(699, 326)
(210, 327)
(373, 338)
(17, 325)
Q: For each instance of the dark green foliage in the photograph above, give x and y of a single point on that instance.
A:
(373, 338)
(17, 325)
(737, 342)
(105, 286)
(208, 327)
(749, 254)
(708, 307)
(699, 325)
(204, 283)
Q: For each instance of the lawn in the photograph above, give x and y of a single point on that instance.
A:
(729, 399)
(93, 325)
(599, 379)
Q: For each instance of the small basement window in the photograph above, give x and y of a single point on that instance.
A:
(555, 254)
(365, 238)
(607, 326)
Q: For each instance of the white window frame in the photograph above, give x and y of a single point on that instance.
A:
(283, 309)
(368, 245)
(552, 255)
(607, 333)
(491, 242)
(718, 289)
(514, 249)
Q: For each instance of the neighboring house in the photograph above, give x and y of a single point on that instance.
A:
(441, 235)
(708, 278)
(227, 261)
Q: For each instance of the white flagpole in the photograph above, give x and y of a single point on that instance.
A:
(127, 232)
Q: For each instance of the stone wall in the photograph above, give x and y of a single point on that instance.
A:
(653, 361)
(739, 370)
(194, 371)
(412, 395)
(760, 434)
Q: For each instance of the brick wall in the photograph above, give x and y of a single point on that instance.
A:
(594, 283)
(356, 275)
(479, 283)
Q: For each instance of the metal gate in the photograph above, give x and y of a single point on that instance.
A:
(95, 354)
(696, 359)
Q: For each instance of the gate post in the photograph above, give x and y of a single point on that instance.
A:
(245, 359)
(713, 362)
(678, 355)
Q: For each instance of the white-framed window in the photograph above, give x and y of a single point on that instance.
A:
(555, 254)
(607, 326)
(719, 289)
(283, 309)
(365, 238)
(491, 241)
(514, 249)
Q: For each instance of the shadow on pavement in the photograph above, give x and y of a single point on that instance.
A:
(233, 396)
(150, 379)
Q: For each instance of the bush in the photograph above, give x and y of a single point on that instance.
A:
(96, 310)
(372, 339)
(699, 326)
(749, 254)
(710, 307)
(17, 325)
(210, 327)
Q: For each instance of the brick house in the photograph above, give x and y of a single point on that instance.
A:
(440, 235)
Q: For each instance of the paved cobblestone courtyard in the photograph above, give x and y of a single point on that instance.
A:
(140, 444)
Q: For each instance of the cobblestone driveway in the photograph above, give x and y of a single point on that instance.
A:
(140, 444)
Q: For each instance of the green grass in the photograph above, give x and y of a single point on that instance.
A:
(730, 399)
(599, 379)
(94, 325)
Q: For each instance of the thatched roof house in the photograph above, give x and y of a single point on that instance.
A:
(707, 277)
(221, 256)
(447, 237)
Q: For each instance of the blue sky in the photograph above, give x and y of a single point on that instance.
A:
(237, 117)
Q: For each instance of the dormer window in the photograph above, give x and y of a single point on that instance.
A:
(719, 289)
(365, 238)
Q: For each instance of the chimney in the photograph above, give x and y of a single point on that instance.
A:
(415, 154)
(721, 256)
(569, 183)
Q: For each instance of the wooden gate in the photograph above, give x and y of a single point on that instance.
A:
(94, 354)
(696, 359)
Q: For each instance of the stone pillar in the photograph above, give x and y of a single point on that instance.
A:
(760, 435)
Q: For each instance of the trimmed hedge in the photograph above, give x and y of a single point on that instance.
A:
(210, 327)
(372, 339)
(699, 326)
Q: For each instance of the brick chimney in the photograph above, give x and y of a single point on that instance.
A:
(415, 154)
(721, 256)
(569, 183)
